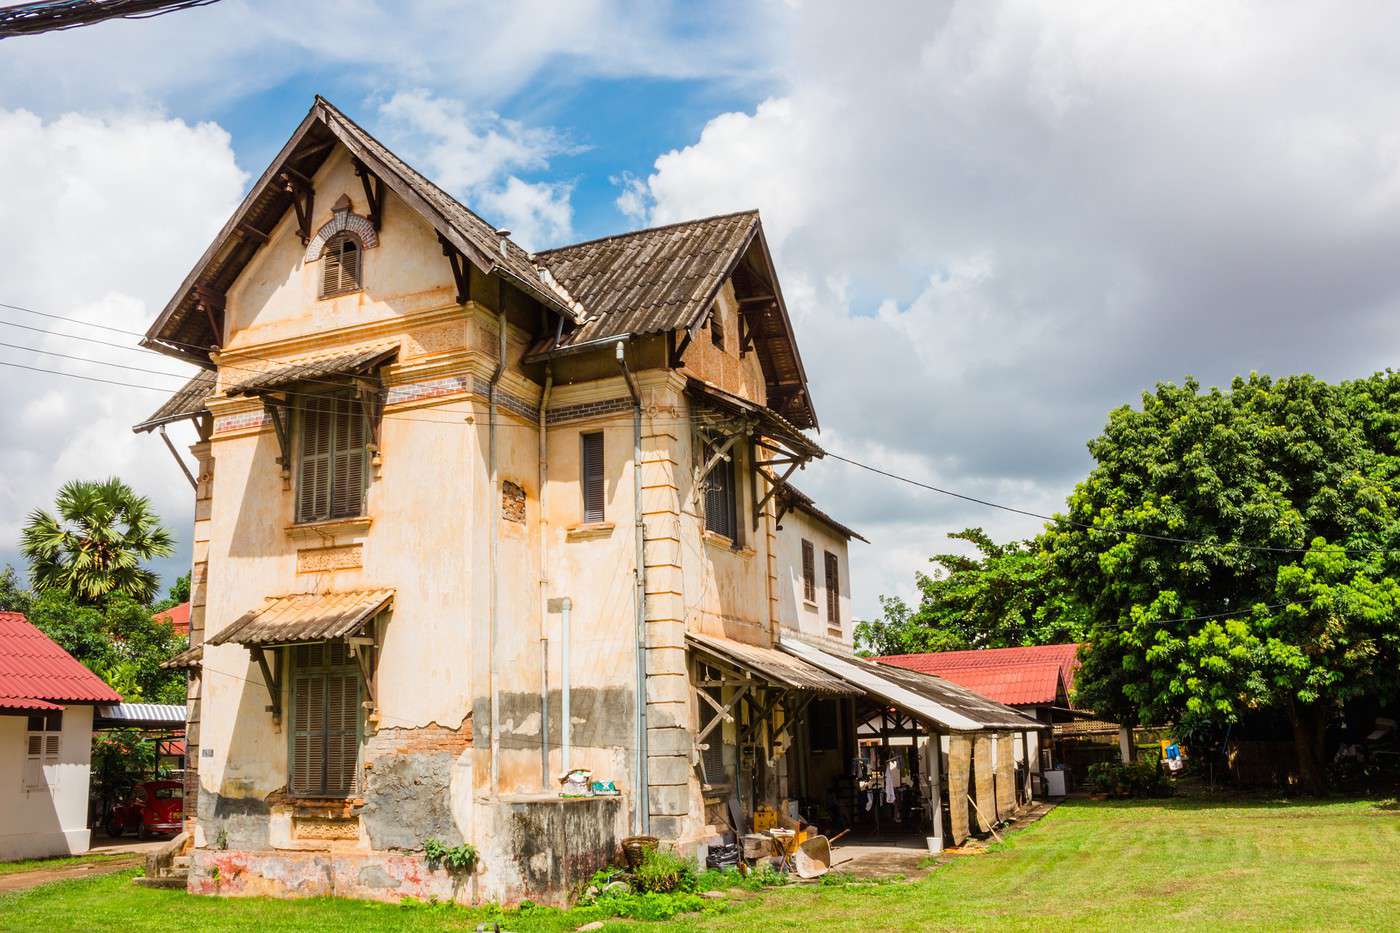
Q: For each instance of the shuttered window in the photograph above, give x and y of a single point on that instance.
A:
(712, 759)
(593, 486)
(809, 571)
(833, 590)
(42, 740)
(334, 454)
(716, 328)
(340, 266)
(721, 505)
(325, 733)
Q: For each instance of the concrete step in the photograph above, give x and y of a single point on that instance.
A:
(165, 881)
(181, 861)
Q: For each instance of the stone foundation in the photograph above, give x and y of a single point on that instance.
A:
(375, 876)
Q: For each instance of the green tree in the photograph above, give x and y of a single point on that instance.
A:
(178, 593)
(1002, 596)
(95, 546)
(1290, 598)
(14, 597)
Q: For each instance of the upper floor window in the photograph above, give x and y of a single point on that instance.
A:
(721, 497)
(833, 590)
(716, 328)
(41, 745)
(809, 572)
(334, 454)
(340, 265)
(325, 733)
(591, 458)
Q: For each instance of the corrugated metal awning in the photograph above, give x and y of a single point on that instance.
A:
(185, 660)
(305, 617)
(772, 665)
(944, 704)
(145, 715)
(356, 363)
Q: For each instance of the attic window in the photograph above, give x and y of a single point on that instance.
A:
(340, 272)
(716, 328)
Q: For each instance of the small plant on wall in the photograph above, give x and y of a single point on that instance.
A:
(458, 860)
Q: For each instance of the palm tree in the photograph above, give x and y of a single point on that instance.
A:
(95, 547)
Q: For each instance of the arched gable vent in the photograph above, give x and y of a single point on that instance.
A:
(342, 221)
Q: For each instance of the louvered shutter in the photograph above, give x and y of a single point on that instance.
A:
(340, 266)
(325, 740)
(314, 479)
(308, 726)
(342, 731)
(809, 572)
(719, 499)
(833, 590)
(348, 455)
(593, 486)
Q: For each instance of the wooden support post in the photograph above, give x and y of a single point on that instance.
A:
(194, 484)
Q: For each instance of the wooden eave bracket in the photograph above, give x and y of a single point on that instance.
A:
(194, 484)
(374, 192)
(211, 302)
(372, 394)
(781, 457)
(279, 410)
(303, 194)
(272, 677)
(360, 648)
(461, 269)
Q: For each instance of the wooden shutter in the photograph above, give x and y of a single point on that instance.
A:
(325, 743)
(340, 266)
(809, 571)
(342, 731)
(593, 486)
(719, 499)
(308, 726)
(314, 477)
(833, 589)
(348, 454)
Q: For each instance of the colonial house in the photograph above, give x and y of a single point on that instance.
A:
(46, 713)
(469, 518)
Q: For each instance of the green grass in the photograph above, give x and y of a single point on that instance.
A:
(62, 861)
(1169, 864)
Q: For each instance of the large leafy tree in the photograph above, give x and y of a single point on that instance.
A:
(1001, 596)
(1238, 550)
(97, 543)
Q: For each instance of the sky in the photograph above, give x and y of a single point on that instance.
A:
(993, 221)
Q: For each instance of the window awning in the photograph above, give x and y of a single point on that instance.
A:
(357, 363)
(188, 659)
(771, 665)
(305, 618)
(937, 701)
(139, 715)
(767, 421)
(186, 403)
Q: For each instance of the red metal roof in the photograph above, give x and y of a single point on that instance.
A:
(33, 667)
(1015, 676)
(177, 616)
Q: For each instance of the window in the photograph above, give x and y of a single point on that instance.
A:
(340, 269)
(833, 590)
(592, 469)
(809, 571)
(325, 733)
(41, 745)
(716, 328)
(334, 453)
(721, 497)
(712, 759)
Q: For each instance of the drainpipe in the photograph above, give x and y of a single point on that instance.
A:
(566, 688)
(493, 510)
(641, 820)
(544, 581)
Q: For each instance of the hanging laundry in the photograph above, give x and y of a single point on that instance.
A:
(891, 779)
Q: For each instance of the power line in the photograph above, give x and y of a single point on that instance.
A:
(32, 19)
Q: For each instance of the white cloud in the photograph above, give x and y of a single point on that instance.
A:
(996, 221)
(479, 157)
(634, 198)
(99, 218)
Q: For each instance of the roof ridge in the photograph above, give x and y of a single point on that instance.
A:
(632, 233)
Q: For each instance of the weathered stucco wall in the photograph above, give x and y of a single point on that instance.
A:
(794, 610)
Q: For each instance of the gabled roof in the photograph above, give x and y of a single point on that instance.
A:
(178, 617)
(666, 278)
(181, 330)
(35, 673)
(1028, 675)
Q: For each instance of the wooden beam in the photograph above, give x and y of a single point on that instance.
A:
(303, 199)
(774, 484)
(278, 411)
(271, 679)
(374, 194)
(178, 459)
(730, 706)
(461, 272)
(253, 233)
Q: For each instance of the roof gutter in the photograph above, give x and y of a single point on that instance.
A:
(641, 817)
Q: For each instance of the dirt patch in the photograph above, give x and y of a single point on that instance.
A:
(24, 880)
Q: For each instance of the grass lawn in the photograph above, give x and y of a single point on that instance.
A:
(1094, 865)
(61, 861)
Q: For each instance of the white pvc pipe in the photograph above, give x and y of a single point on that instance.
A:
(566, 726)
